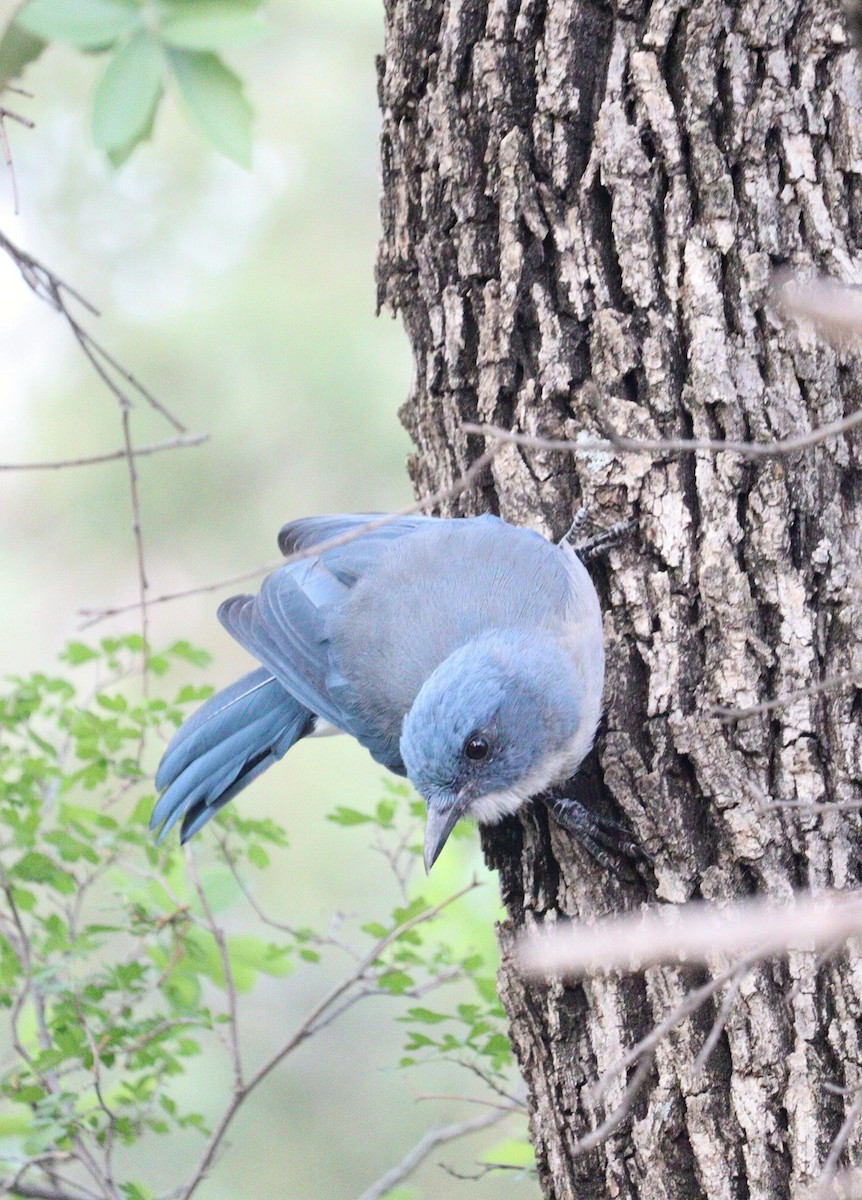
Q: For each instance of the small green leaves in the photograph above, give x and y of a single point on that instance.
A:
(86, 24)
(210, 25)
(143, 41)
(18, 49)
(127, 95)
(213, 97)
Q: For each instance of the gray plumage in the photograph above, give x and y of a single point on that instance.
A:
(414, 638)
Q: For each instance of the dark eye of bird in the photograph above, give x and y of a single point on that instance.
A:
(476, 748)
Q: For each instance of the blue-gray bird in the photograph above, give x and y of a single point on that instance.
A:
(466, 654)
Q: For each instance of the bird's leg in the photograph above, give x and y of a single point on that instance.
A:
(573, 533)
(610, 844)
(598, 544)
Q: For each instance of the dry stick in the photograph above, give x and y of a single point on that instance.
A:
(618, 443)
(591, 1140)
(94, 616)
(691, 932)
(177, 443)
(27, 1192)
(425, 1145)
(7, 149)
(137, 533)
(719, 1022)
(809, 807)
(49, 287)
(307, 1029)
(835, 1150)
(473, 1100)
(229, 983)
(827, 684)
(685, 1008)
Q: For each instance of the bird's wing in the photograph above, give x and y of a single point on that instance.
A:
(349, 561)
(285, 625)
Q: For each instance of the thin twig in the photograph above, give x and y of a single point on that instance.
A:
(138, 535)
(617, 443)
(29, 1192)
(830, 1166)
(94, 616)
(177, 443)
(230, 985)
(720, 1021)
(7, 114)
(313, 1022)
(807, 806)
(601, 1134)
(830, 683)
(426, 1144)
(690, 1004)
(473, 1100)
(692, 932)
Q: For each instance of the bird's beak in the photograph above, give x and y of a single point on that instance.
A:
(439, 825)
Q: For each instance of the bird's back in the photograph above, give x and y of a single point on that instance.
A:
(433, 591)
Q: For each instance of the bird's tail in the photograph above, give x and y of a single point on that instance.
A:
(226, 744)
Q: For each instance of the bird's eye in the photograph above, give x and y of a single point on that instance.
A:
(477, 747)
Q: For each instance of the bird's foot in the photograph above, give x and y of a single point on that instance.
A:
(609, 842)
(601, 542)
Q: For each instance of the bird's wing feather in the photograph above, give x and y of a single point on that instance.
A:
(286, 625)
(350, 561)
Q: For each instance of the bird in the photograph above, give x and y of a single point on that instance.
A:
(464, 653)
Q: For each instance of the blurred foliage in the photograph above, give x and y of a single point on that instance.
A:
(148, 43)
(116, 969)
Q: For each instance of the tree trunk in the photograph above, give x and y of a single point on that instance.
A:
(575, 191)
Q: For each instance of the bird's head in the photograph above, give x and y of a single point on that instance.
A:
(496, 722)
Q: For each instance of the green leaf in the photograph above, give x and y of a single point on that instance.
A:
(396, 982)
(38, 868)
(253, 954)
(17, 49)
(209, 25)
(349, 816)
(87, 24)
(127, 96)
(512, 1153)
(189, 653)
(425, 1016)
(77, 653)
(214, 99)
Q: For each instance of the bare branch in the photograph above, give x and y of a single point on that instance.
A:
(720, 1021)
(316, 1020)
(6, 114)
(693, 932)
(426, 1144)
(29, 1191)
(474, 1100)
(830, 1166)
(828, 684)
(177, 443)
(230, 985)
(617, 443)
(685, 1008)
(94, 616)
(836, 310)
(616, 1118)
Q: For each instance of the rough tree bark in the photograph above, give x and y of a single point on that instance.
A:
(575, 190)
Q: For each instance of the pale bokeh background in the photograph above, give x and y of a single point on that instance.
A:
(246, 302)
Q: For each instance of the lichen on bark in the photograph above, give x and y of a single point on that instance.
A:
(584, 207)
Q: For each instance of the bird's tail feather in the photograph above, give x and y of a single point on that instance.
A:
(226, 744)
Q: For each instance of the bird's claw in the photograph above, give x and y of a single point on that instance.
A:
(609, 842)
